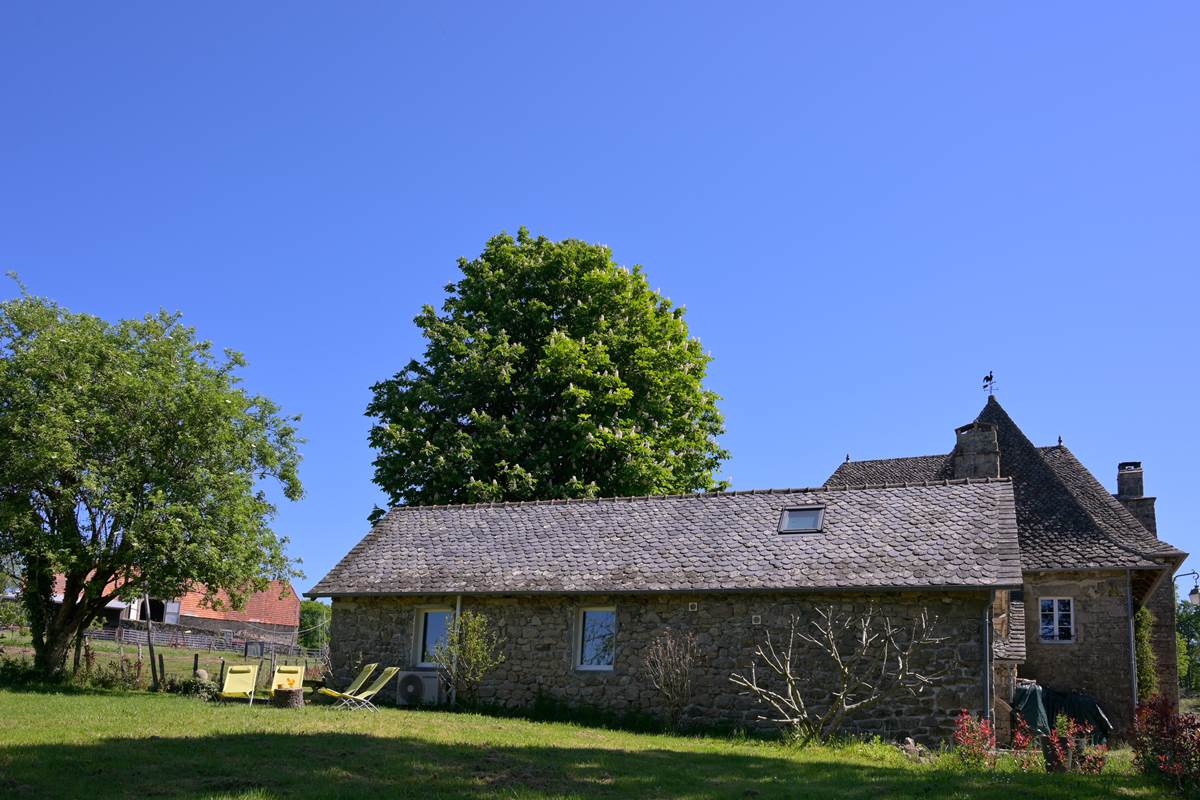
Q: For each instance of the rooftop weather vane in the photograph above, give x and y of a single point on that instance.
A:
(989, 383)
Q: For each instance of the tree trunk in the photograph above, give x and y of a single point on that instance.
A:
(150, 643)
(78, 650)
(50, 658)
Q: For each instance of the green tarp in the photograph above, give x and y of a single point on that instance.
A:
(1039, 706)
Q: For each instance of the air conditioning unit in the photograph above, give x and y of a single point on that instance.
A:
(418, 689)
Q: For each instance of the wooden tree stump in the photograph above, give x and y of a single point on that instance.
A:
(288, 698)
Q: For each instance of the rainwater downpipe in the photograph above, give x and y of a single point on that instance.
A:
(987, 657)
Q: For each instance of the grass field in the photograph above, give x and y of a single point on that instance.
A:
(177, 660)
(138, 745)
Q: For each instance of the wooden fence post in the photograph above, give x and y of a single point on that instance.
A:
(162, 673)
(221, 680)
(195, 664)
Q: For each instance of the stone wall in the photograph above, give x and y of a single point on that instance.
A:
(1098, 661)
(539, 632)
(1004, 679)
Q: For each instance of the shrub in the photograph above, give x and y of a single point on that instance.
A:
(1069, 748)
(1026, 751)
(192, 687)
(1168, 744)
(18, 672)
(974, 741)
(123, 674)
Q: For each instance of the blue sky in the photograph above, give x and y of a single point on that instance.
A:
(864, 207)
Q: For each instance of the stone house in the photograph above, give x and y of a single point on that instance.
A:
(979, 538)
(1089, 561)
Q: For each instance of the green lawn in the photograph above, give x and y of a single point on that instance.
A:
(146, 746)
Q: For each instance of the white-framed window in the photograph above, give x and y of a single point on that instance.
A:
(433, 626)
(1056, 619)
(596, 638)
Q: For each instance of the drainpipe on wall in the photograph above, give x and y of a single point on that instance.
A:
(987, 657)
(1132, 644)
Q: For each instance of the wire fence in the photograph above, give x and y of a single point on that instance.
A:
(193, 640)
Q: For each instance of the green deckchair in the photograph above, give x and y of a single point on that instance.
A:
(362, 700)
(239, 682)
(354, 686)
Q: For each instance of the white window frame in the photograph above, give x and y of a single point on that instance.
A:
(422, 619)
(1056, 640)
(579, 630)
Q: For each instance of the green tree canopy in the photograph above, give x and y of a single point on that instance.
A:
(129, 454)
(1187, 627)
(314, 624)
(551, 372)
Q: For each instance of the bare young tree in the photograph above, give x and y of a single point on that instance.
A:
(873, 660)
(668, 666)
(471, 649)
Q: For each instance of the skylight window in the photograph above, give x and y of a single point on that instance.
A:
(802, 520)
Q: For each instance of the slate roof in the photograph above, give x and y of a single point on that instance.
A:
(961, 534)
(1065, 518)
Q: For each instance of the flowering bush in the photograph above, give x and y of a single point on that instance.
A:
(974, 741)
(1026, 750)
(1167, 743)
(1070, 749)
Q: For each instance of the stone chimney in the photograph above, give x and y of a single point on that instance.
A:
(976, 454)
(1130, 493)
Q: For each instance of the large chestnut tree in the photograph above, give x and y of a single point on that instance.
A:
(551, 372)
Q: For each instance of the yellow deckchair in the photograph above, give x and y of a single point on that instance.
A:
(362, 700)
(287, 677)
(239, 682)
(363, 674)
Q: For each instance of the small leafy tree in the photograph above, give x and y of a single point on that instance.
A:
(469, 652)
(1147, 661)
(668, 665)
(1187, 625)
(551, 372)
(871, 660)
(130, 464)
(314, 624)
(13, 614)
